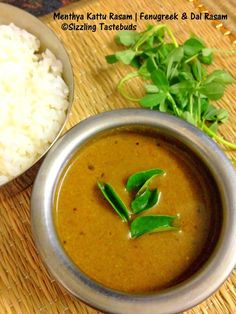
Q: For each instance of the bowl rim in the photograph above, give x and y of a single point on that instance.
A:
(176, 299)
(30, 17)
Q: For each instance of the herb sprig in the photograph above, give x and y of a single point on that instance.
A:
(144, 199)
(115, 201)
(175, 76)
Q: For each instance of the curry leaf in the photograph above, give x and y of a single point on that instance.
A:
(146, 200)
(137, 180)
(146, 184)
(114, 200)
(150, 224)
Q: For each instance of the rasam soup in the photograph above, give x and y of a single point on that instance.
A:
(98, 241)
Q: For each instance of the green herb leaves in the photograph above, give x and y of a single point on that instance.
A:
(152, 100)
(159, 78)
(206, 56)
(193, 46)
(144, 199)
(212, 90)
(125, 56)
(149, 224)
(219, 76)
(175, 76)
(115, 201)
(127, 38)
(137, 180)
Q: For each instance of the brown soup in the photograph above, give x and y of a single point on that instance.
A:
(96, 239)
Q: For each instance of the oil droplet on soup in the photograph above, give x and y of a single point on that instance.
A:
(96, 239)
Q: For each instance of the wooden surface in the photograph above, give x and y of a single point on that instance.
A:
(25, 285)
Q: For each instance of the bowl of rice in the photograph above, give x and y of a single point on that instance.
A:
(36, 93)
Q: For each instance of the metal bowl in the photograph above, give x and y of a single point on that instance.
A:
(24, 20)
(176, 299)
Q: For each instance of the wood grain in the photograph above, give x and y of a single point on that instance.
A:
(25, 285)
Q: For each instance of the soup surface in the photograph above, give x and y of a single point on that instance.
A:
(97, 240)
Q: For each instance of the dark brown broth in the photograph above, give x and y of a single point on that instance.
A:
(97, 240)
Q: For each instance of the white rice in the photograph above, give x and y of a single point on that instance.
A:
(33, 100)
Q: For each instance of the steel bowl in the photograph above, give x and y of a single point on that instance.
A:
(173, 300)
(25, 20)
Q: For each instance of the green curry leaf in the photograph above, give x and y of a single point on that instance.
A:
(150, 224)
(114, 200)
(146, 184)
(144, 201)
(137, 180)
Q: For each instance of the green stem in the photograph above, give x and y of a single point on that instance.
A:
(152, 31)
(121, 86)
(191, 58)
(174, 70)
(218, 138)
(198, 107)
(191, 105)
(154, 61)
(175, 108)
(172, 36)
(146, 35)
